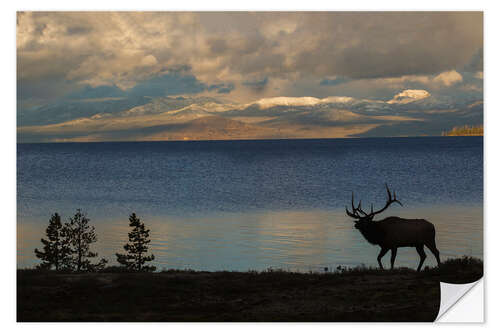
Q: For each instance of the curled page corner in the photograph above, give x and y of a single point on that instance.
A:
(455, 305)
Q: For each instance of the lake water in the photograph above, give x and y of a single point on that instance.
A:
(240, 205)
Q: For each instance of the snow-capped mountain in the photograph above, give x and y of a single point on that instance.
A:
(408, 96)
(333, 116)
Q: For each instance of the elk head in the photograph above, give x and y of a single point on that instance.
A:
(363, 218)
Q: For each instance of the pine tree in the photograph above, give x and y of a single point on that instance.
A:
(136, 248)
(82, 235)
(56, 248)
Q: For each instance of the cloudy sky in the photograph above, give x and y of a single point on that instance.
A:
(243, 57)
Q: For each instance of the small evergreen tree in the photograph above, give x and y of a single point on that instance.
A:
(82, 235)
(137, 247)
(56, 248)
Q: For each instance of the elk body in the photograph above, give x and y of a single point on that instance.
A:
(394, 232)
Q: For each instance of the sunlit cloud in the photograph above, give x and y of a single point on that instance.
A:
(448, 78)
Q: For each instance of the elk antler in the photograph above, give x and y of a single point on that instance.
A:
(391, 198)
(355, 211)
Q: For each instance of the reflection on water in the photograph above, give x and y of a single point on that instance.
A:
(242, 205)
(294, 240)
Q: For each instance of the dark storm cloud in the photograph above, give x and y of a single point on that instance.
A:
(78, 30)
(89, 92)
(367, 45)
(256, 85)
(168, 84)
(476, 63)
(333, 82)
(221, 88)
(126, 48)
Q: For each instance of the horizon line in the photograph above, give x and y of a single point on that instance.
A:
(270, 139)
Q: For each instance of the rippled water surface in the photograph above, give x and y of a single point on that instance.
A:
(240, 205)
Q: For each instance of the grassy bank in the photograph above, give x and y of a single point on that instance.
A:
(359, 294)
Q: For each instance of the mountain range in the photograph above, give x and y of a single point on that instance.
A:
(119, 117)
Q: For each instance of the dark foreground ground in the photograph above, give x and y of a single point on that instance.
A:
(346, 295)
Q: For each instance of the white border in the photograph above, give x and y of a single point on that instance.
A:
(8, 170)
(256, 5)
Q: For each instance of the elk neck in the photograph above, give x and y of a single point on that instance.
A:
(372, 232)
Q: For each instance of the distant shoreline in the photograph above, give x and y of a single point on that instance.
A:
(249, 140)
(465, 131)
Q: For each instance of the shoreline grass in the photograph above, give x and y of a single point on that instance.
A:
(350, 294)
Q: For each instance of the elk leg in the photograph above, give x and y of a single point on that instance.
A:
(382, 253)
(434, 250)
(394, 251)
(421, 253)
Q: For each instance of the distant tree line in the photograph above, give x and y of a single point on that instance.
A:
(67, 247)
(464, 131)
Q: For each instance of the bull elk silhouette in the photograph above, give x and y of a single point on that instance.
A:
(393, 232)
